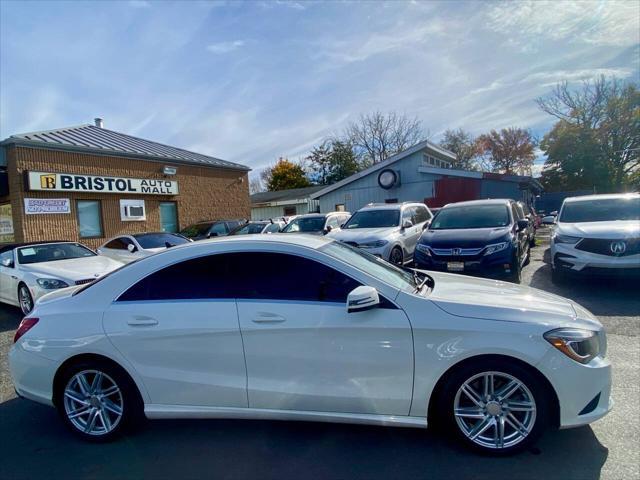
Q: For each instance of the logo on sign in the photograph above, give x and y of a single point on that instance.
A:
(456, 251)
(618, 248)
(47, 181)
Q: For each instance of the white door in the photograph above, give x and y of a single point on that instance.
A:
(411, 234)
(179, 330)
(305, 352)
(8, 279)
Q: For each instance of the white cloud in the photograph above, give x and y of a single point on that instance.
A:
(139, 3)
(225, 47)
(609, 23)
(552, 78)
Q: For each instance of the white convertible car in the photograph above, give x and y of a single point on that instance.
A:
(30, 270)
(304, 328)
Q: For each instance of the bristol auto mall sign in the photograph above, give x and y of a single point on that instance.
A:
(67, 182)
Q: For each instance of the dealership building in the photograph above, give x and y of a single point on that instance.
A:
(88, 183)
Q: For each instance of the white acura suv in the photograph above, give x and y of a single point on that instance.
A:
(597, 235)
(320, 332)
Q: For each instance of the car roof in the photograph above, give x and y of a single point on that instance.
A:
(142, 234)
(610, 196)
(11, 246)
(491, 201)
(311, 241)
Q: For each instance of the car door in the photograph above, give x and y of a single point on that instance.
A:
(178, 327)
(8, 278)
(410, 234)
(305, 352)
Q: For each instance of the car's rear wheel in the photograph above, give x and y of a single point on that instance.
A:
(494, 407)
(396, 257)
(516, 269)
(25, 299)
(97, 400)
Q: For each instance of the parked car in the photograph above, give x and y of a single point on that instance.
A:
(316, 223)
(214, 228)
(525, 211)
(261, 226)
(30, 270)
(358, 340)
(127, 248)
(597, 235)
(481, 237)
(389, 231)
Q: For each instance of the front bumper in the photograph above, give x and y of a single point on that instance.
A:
(568, 258)
(584, 391)
(494, 265)
(32, 374)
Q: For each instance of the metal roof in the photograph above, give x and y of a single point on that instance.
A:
(283, 195)
(92, 139)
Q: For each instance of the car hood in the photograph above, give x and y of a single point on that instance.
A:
(74, 269)
(615, 229)
(472, 297)
(362, 235)
(464, 237)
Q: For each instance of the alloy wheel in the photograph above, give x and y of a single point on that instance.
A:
(25, 300)
(93, 402)
(396, 256)
(495, 410)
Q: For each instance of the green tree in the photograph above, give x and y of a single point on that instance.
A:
(511, 150)
(463, 145)
(285, 175)
(601, 120)
(331, 162)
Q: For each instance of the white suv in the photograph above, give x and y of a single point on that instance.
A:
(597, 234)
(389, 231)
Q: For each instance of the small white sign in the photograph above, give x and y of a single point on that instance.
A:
(39, 206)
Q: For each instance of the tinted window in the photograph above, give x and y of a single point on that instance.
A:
(248, 229)
(518, 212)
(305, 224)
(233, 224)
(52, 252)
(197, 230)
(89, 218)
(118, 243)
(159, 240)
(333, 222)
(374, 219)
(288, 277)
(272, 228)
(198, 278)
(422, 214)
(219, 229)
(602, 210)
(471, 216)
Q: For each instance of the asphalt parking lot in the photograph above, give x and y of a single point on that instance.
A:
(35, 443)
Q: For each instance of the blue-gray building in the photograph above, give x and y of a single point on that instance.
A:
(422, 173)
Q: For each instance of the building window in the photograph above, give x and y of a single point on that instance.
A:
(289, 211)
(89, 218)
(168, 217)
(340, 207)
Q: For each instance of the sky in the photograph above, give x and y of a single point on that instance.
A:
(253, 81)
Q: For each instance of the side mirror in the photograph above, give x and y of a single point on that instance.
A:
(362, 298)
(407, 223)
(327, 229)
(426, 224)
(132, 248)
(523, 224)
(7, 262)
(548, 220)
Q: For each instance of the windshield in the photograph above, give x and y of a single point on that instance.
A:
(374, 219)
(384, 271)
(471, 216)
(159, 240)
(248, 229)
(305, 224)
(52, 252)
(602, 210)
(197, 230)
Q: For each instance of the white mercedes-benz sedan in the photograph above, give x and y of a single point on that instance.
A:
(294, 327)
(31, 270)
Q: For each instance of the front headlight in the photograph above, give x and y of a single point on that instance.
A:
(579, 345)
(423, 248)
(51, 283)
(496, 247)
(559, 238)
(376, 244)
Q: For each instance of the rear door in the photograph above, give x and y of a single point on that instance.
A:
(411, 234)
(179, 329)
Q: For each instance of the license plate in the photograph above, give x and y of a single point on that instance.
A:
(455, 266)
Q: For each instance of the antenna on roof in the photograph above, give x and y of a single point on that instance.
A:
(99, 122)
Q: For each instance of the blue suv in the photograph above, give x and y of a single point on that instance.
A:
(481, 237)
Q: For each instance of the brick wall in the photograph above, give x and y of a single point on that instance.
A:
(204, 194)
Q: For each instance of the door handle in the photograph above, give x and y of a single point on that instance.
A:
(142, 321)
(264, 317)
(14, 277)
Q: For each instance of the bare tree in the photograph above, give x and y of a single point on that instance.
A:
(255, 185)
(377, 136)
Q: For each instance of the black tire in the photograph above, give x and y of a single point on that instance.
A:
(527, 260)
(25, 299)
(396, 256)
(516, 270)
(532, 241)
(127, 398)
(536, 421)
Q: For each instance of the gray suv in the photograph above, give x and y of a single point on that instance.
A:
(389, 231)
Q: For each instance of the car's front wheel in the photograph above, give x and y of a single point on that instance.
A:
(97, 400)
(25, 299)
(494, 407)
(396, 257)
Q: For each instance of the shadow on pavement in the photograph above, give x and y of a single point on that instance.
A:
(41, 447)
(10, 317)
